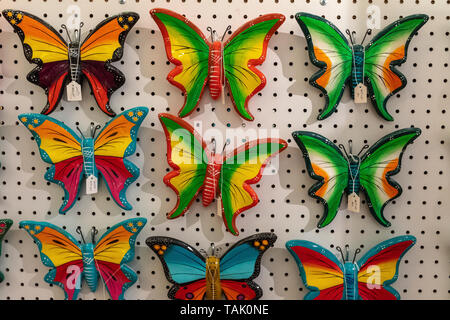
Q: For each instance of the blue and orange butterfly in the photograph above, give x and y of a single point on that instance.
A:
(59, 62)
(71, 262)
(368, 279)
(72, 157)
(195, 277)
(5, 224)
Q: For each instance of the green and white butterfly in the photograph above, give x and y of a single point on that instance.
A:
(372, 66)
(341, 171)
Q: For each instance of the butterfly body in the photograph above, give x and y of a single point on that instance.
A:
(87, 149)
(212, 179)
(368, 278)
(89, 269)
(215, 74)
(350, 272)
(354, 175)
(358, 67)
(196, 277)
(213, 287)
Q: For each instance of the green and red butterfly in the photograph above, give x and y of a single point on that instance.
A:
(342, 63)
(200, 62)
(228, 177)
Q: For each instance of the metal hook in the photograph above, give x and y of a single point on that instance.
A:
(78, 230)
(350, 146)
(226, 31)
(213, 141)
(213, 249)
(346, 252)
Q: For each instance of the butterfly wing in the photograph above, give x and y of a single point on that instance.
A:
(183, 265)
(326, 164)
(188, 49)
(187, 156)
(111, 253)
(378, 164)
(241, 168)
(5, 224)
(378, 268)
(60, 147)
(320, 270)
(387, 50)
(44, 46)
(330, 51)
(59, 251)
(101, 47)
(247, 48)
(241, 264)
(115, 142)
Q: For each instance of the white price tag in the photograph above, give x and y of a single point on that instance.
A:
(353, 203)
(74, 91)
(361, 93)
(91, 185)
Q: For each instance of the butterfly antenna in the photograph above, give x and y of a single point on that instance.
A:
(342, 147)
(368, 32)
(81, 133)
(364, 148)
(342, 253)
(349, 36)
(67, 32)
(225, 33)
(79, 32)
(94, 129)
(227, 143)
(94, 232)
(211, 31)
(78, 230)
(357, 251)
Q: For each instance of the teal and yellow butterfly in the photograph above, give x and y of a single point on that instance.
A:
(342, 63)
(200, 62)
(338, 172)
(5, 224)
(228, 177)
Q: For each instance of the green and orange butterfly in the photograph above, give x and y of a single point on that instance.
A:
(200, 62)
(226, 176)
(373, 66)
(338, 171)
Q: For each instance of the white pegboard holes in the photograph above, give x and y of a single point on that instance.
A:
(288, 103)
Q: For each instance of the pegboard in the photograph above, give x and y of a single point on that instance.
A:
(288, 103)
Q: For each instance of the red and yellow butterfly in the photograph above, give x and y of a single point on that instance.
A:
(59, 62)
(199, 61)
(196, 168)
